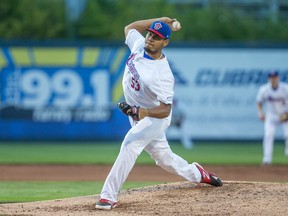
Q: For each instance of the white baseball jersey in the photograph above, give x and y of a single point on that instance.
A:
(276, 100)
(145, 81)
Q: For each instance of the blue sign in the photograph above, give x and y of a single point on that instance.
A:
(76, 102)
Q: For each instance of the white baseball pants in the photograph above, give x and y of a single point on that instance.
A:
(147, 134)
(271, 123)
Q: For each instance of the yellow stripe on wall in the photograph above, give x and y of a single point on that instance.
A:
(119, 58)
(20, 56)
(55, 56)
(117, 91)
(3, 61)
(90, 56)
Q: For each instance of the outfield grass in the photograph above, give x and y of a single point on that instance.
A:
(106, 153)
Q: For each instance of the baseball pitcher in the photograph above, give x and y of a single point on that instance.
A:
(148, 89)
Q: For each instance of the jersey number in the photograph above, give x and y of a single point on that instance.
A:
(135, 84)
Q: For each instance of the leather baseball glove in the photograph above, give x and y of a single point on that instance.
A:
(135, 112)
(284, 117)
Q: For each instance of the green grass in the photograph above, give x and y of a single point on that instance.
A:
(57, 153)
(11, 192)
(246, 153)
(106, 153)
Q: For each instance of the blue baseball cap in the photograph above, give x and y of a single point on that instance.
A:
(162, 29)
(273, 74)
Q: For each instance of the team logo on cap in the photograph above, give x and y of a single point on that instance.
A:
(157, 26)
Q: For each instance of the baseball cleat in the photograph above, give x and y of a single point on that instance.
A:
(207, 177)
(105, 204)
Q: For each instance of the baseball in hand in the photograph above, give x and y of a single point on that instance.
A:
(176, 26)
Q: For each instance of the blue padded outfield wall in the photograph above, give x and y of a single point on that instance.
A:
(70, 92)
(61, 93)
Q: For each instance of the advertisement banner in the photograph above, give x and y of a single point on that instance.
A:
(47, 98)
(216, 90)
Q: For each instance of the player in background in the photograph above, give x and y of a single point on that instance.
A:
(274, 94)
(148, 89)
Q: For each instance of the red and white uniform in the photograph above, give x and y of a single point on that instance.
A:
(145, 83)
(276, 103)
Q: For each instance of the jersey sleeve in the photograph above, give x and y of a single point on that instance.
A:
(260, 95)
(163, 88)
(134, 40)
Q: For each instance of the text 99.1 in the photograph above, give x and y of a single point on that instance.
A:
(63, 89)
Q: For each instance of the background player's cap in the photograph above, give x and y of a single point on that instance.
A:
(273, 74)
(162, 29)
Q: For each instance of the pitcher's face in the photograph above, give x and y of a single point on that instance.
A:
(154, 43)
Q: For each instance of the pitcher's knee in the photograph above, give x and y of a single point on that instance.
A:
(163, 158)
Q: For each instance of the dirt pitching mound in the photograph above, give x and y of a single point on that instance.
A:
(180, 198)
